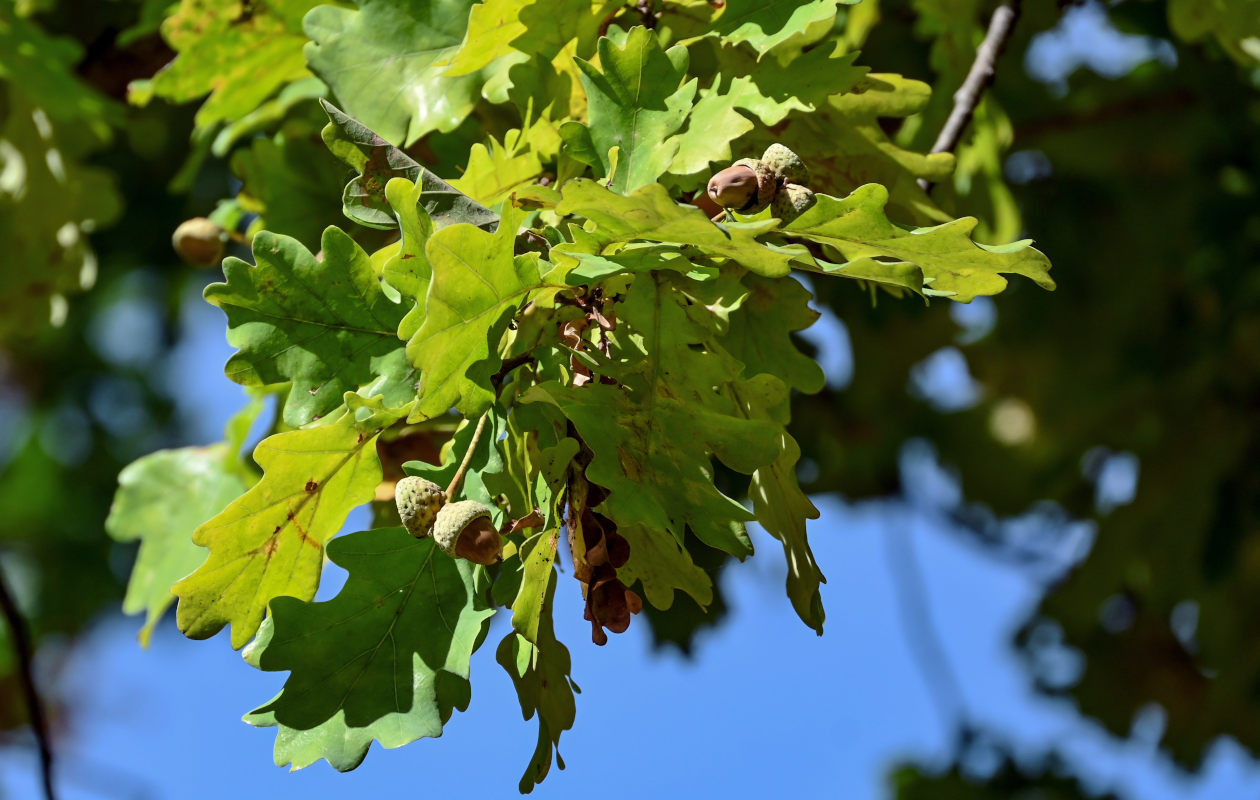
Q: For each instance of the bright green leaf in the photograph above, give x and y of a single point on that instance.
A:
(270, 542)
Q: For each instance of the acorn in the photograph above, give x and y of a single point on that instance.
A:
(419, 501)
(465, 529)
(767, 183)
(200, 241)
(733, 187)
(786, 165)
(791, 201)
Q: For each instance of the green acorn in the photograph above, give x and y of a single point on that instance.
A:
(466, 530)
(419, 501)
(791, 201)
(785, 164)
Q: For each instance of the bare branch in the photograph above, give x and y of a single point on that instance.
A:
(34, 708)
(468, 457)
(1001, 25)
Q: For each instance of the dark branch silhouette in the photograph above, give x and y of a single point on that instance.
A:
(34, 708)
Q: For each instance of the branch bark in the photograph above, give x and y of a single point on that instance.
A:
(26, 677)
(1001, 26)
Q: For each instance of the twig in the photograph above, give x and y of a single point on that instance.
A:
(922, 638)
(1001, 25)
(468, 456)
(34, 709)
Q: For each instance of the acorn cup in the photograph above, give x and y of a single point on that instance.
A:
(466, 530)
(419, 501)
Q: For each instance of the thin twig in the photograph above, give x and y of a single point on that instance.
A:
(34, 708)
(1001, 25)
(921, 636)
(468, 456)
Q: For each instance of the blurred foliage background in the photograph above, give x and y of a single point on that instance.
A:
(1137, 176)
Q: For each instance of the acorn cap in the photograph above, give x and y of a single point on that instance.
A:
(452, 520)
(791, 201)
(787, 166)
(767, 183)
(418, 503)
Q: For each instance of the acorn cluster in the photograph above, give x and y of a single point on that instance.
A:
(776, 180)
(463, 529)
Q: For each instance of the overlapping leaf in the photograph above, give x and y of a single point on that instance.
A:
(385, 61)
(536, 661)
(477, 285)
(326, 326)
(290, 182)
(651, 214)
(780, 505)
(387, 659)
(161, 500)
(377, 161)
(653, 438)
(637, 100)
(270, 542)
(239, 53)
(951, 263)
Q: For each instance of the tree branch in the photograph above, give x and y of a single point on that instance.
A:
(1001, 25)
(468, 457)
(34, 709)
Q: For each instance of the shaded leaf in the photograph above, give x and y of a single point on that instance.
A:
(378, 161)
(766, 24)
(385, 660)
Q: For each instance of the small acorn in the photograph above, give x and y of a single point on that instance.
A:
(733, 187)
(419, 501)
(791, 201)
(785, 164)
(465, 529)
(767, 183)
(200, 241)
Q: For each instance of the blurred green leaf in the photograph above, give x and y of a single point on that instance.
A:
(162, 498)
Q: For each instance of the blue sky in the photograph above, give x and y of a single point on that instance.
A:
(766, 707)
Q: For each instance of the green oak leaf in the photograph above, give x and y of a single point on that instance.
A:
(161, 500)
(759, 332)
(845, 146)
(477, 286)
(387, 659)
(653, 436)
(650, 213)
(270, 542)
(238, 53)
(662, 564)
(327, 326)
(775, 86)
(711, 127)
(637, 99)
(408, 270)
(385, 61)
(766, 24)
(952, 264)
(537, 662)
(493, 172)
(378, 161)
(780, 505)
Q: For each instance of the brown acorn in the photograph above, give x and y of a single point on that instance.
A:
(466, 530)
(200, 241)
(733, 187)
